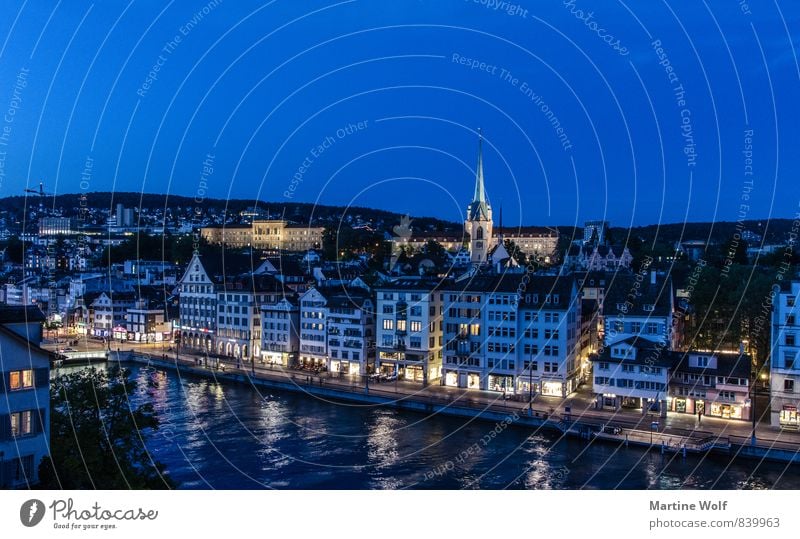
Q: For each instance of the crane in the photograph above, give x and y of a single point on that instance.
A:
(42, 195)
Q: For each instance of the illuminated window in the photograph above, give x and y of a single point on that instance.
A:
(475, 329)
(388, 323)
(401, 325)
(21, 423)
(20, 379)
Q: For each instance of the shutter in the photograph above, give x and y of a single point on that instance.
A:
(42, 377)
(39, 420)
(5, 427)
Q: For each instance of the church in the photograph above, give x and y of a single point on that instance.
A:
(486, 241)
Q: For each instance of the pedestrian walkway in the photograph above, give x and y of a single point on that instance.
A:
(581, 404)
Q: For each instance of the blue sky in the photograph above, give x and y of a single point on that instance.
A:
(276, 90)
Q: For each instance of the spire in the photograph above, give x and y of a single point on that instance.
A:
(479, 209)
(480, 195)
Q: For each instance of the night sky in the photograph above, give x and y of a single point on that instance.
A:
(636, 112)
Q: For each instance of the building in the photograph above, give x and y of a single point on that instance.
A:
(25, 402)
(351, 330)
(784, 364)
(197, 318)
(711, 383)
(280, 335)
(108, 314)
(595, 231)
(480, 234)
(409, 329)
(313, 329)
(518, 334)
(267, 234)
(57, 226)
(239, 303)
(147, 323)
(641, 305)
(632, 373)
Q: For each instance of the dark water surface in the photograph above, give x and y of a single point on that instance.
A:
(238, 437)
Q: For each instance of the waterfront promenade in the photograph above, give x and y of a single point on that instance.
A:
(575, 415)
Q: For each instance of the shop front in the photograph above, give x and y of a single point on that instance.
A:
(726, 410)
(412, 373)
(501, 382)
(473, 380)
(553, 389)
(789, 417)
(451, 379)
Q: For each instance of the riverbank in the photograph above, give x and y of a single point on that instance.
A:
(589, 425)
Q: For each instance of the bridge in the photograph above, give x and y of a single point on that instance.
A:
(64, 359)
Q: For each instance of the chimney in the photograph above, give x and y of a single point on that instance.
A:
(653, 277)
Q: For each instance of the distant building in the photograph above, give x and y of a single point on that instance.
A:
(266, 234)
(784, 361)
(57, 226)
(596, 230)
(280, 336)
(25, 391)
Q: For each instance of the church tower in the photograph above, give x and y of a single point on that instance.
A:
(479, 216)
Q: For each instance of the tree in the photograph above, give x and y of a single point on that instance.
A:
(97, 435)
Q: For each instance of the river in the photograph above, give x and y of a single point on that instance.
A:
(229, 436)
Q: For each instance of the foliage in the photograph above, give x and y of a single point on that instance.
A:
(97, 435)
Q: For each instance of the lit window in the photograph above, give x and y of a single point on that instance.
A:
(20, 379)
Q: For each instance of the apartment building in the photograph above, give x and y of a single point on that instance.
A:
(784, 361)
(25, 392)
(239, 323)
(409, 329)
(716, 384)
(513, 333)
(640, 305)
(280, 335)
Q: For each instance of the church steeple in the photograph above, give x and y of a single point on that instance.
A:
(480, 208)
(479, 214)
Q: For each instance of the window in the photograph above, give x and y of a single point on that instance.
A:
(474, 329)
(22, 423)
(388, 309)
(790, 339)
(788, 385)
(401, 325)
(652, 328)
(788, 360)
(416, 326)
(20, 379)
(388, 324)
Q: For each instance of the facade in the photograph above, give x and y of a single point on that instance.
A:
(147, 324)
(784, 361)
(409, 330)
(108, 314)
(197, 314)
(313, 329)
(337, 329)
(513, 333)
(640, 305)
(280, 336)
(25, 402)
(716, 384)
(351, 331)
(596, 230)
(268, 234)
(239, 310)
(632, 373)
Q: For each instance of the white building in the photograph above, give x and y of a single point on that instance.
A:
(640, 305)
(514, 333)
(239, 312)
(280, 336)
(197, 313)
(632, 373)
(108, 313)
(784, 362)
(351, 330)
(409, 329)
(313, 329)
(25, 402)
(147, 324)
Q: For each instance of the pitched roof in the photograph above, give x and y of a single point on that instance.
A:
(10, 314)
(636, 295)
